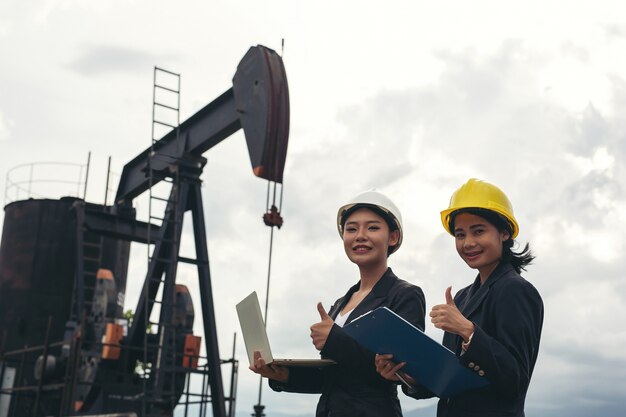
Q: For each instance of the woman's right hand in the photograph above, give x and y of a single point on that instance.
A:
(389, 370)
(276, 372)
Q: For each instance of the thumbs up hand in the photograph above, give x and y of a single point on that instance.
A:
(449, 299)
(447, 317)
(320, 331)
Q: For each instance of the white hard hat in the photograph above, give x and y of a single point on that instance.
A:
(380, 203)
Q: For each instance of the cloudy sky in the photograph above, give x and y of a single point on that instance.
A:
(410, 97)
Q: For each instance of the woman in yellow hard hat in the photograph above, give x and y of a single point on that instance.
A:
(370, 226)
(493, 325)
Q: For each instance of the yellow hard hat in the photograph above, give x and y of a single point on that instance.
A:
(480, 194)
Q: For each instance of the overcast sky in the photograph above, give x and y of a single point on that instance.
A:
(412, 98)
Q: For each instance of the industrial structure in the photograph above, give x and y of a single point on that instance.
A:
(64, 348)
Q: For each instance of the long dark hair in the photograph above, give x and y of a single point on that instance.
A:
(519, 260)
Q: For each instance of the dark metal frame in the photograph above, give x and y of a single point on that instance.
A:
(258, 102)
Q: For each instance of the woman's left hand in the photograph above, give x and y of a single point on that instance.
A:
(279, 373)
(321, 330)
(449, 318)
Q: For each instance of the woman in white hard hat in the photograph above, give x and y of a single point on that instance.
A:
(494, 325)
(371, 228)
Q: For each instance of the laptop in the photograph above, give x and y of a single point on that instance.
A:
(255, 336)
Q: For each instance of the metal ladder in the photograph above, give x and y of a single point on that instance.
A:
(167, 210)
(88, 261)
(165, 118)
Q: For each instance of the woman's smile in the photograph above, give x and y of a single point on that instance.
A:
(478, 242)
(361, 248)
(472, 256)
(366, 238)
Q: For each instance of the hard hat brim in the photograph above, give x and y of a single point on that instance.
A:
(491, 206)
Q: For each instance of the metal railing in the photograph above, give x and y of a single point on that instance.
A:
(56, 395)
(46, 180)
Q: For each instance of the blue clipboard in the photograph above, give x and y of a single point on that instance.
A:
(428, 362)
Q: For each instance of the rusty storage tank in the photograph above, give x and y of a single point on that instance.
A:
(37, 269)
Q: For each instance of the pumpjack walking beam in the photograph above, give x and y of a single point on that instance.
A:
(258, 102)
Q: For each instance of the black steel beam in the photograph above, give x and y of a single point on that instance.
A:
(205, 129)
(156, 268)
(115, 226)
(206, 298)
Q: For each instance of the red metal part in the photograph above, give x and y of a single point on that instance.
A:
(273, 218)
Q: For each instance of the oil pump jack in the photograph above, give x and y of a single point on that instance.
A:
(64, 264)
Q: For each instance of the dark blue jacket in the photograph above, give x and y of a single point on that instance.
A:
(353, 387)
(507, 312)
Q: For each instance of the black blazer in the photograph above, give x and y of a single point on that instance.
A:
(507, 312)
(353, 387)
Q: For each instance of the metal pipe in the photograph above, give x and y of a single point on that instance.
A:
(87, 174)
(233, 379)
(106, 188)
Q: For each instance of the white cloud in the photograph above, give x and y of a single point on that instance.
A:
(601, 160)
(102, 59)
(5, 128)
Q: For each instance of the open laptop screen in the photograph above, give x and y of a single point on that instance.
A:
(255, 336)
